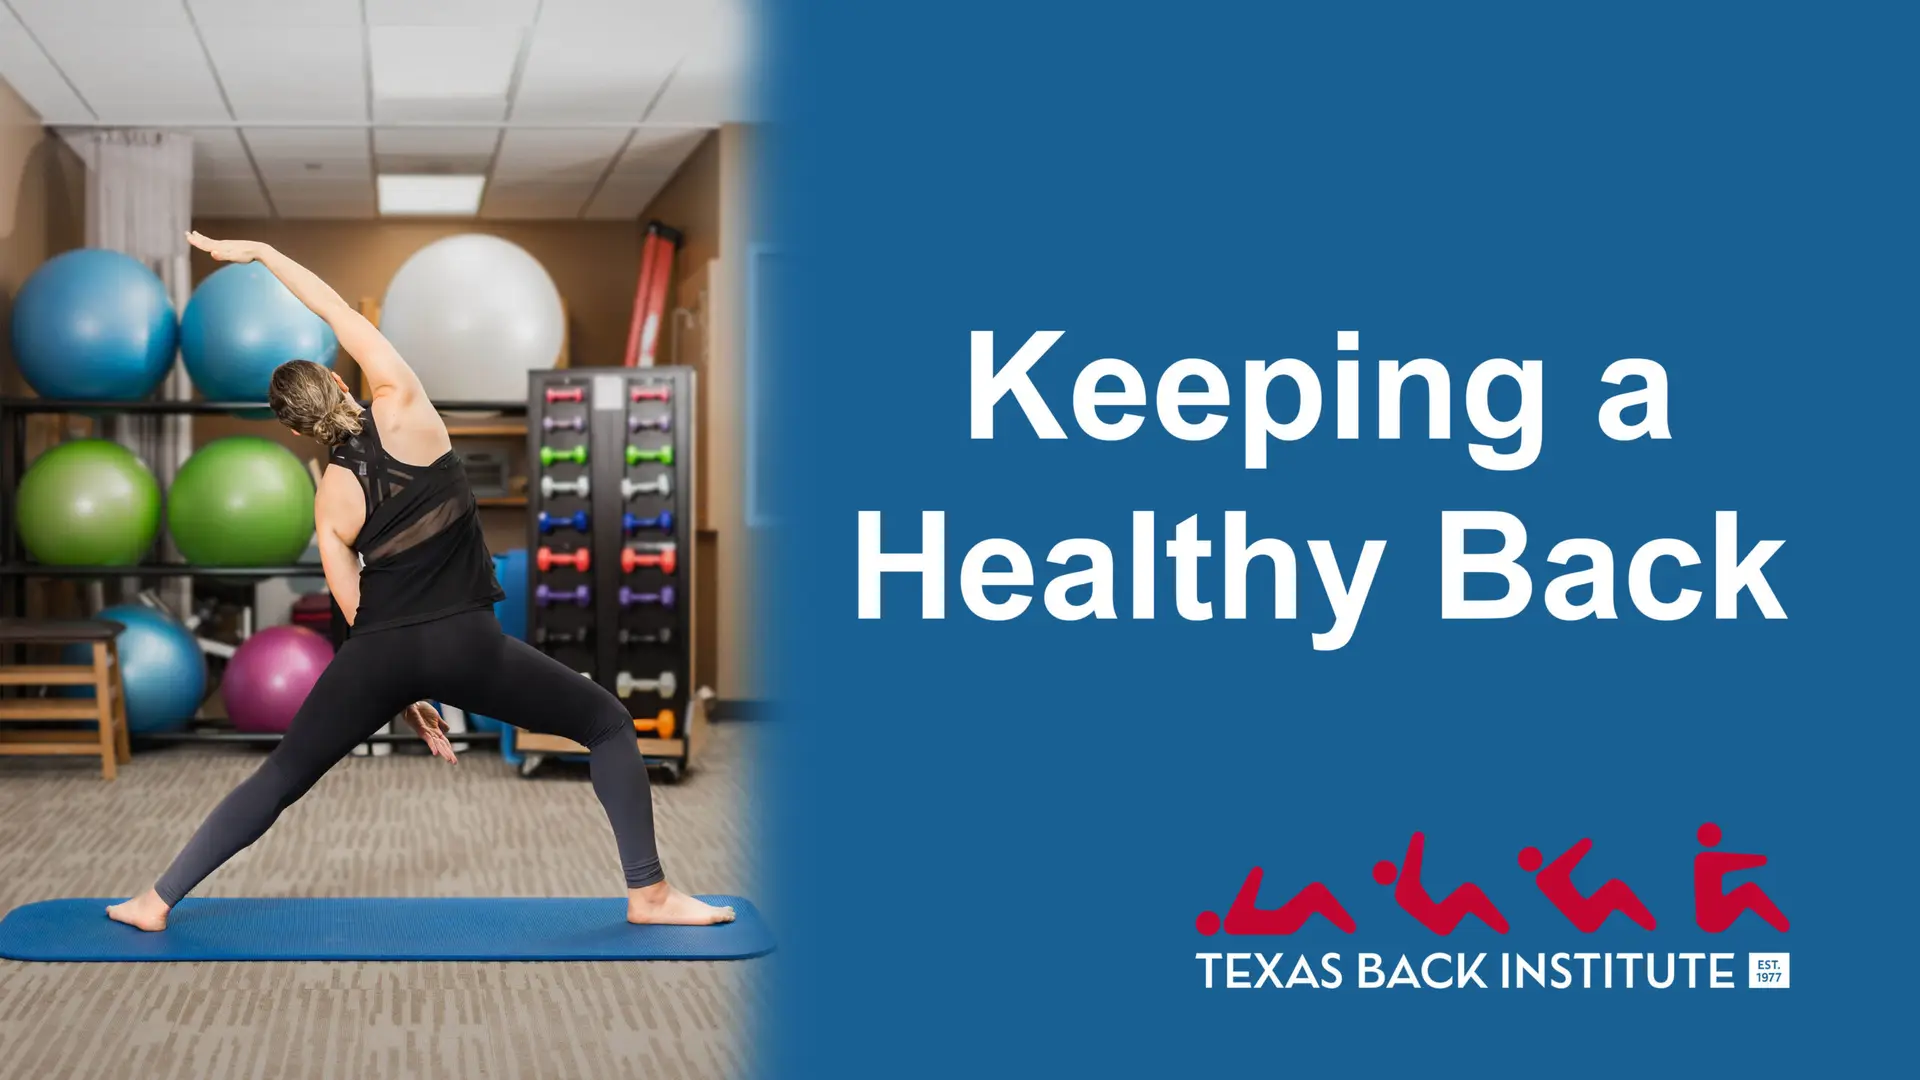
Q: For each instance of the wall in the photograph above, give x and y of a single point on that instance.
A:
(42, 211)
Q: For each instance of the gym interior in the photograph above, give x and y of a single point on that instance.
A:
(546, 206)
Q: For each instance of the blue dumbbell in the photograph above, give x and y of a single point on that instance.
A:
(633, 523)
(579, 595)
(577, 521)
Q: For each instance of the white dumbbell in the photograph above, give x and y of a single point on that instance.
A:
(549, 487)
(662, 486)
(627, 686)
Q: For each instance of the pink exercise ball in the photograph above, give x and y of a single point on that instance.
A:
(270, 676)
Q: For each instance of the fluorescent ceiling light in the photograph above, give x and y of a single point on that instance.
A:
(457, 196)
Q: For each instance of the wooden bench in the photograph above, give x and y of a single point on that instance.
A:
(107, 709)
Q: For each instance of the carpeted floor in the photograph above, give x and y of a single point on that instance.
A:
(387, 826)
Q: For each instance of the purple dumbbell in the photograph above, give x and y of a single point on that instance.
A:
(655, 423)
(579, 595)
(630, 597)
(571, 423)
(633, 523)
(577, 521)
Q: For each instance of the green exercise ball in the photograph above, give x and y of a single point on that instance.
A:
(241, 501)
(89, 502)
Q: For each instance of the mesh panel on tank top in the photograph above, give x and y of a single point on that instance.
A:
(422, 546)
(401, 512)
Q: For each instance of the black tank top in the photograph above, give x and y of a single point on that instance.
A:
(422, 551)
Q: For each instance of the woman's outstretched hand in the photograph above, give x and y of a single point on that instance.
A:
(427, 723)
(233, 251)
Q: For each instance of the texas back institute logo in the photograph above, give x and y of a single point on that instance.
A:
(1715, 908)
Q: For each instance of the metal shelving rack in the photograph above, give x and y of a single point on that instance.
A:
(16, 568)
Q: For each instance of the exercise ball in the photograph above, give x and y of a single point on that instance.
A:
(89, 502)
(241, 501)
(472, 314)
(95, 325)
(270, 675)
(241, 324)
(161, 668)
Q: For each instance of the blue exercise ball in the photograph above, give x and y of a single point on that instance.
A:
(240, 325)
(94, 325)
(161, 667)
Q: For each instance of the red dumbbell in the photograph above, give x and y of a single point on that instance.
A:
(665, 559)
(565, 393)
(662, 392)
(547, 560)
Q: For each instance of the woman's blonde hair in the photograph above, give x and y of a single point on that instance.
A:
(305, 398)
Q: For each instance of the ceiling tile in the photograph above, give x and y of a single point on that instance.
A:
(535, 199)
(282, 14)
(137, 76)
(441, 13)
(229, 198)
(33, 76)
(565, 154)
(575, 75)
(102, 14)
(634, 17)
(315, 74)
(435, 70)
(218, 155)
(659, 150)
(311, 154)
(434, 150)
(322, 198)
(625, 197)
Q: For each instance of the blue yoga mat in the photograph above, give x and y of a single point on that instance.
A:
(464, 928)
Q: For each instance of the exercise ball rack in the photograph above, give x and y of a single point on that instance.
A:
(16, 568)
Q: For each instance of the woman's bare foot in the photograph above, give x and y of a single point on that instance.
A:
(662, 904)
(145, 912)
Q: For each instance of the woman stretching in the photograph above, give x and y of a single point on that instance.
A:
(401, 547)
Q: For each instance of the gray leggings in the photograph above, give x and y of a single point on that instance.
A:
(463, 660)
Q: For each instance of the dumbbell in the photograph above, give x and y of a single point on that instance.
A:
(630, 597)
(661, 485)
(631, 560)
(633, 523)
(579, 596)
(571, 423)
(653, 393)
(577, 521)
(579, 560)
(663, 422)
(565, 393)
(664, 455)
(550, 487)
(662, 636)
(626, 685)
(661, 725)
(544, 636)
(577, 455)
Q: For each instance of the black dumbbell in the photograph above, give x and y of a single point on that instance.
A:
(663, 636)
(544, 636)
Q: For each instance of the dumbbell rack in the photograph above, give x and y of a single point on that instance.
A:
(636, 623)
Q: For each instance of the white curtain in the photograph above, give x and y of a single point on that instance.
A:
(140, 202)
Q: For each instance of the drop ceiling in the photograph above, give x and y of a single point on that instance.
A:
(570, 108)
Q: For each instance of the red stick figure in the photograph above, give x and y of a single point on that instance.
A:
(1584, 912)
(1442, 917)
(1715, 909)
(1244, 917)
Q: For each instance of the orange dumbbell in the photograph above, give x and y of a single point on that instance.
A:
(547, 560)
(665, 559)
(661, 725)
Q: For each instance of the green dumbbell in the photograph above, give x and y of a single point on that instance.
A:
(664, 455)
(577, 455)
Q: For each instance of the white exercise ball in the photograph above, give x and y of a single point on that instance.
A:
(473, 314)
